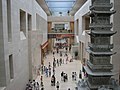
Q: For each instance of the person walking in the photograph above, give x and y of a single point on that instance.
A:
(60, 54)
(75, 76)
(72, 76)
(37, 86)
(42, 87)
(42, 69)
(52, 80)
(63, 61)
(54, 63)
(58, 62)
(46, 71)
(68, 88)
(53, 53)
(49, 72)
(49, 65)
(66, 59)
(66, 49)
(41, 80)
(57, 85)
(53, 71)
(80, 75)
(62, 76)
(66, 77)
(57, 50)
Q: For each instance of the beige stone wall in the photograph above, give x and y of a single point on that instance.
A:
(80, 29)
(60, 18)
(16, 46)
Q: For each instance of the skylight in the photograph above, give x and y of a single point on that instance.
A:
(60, 7)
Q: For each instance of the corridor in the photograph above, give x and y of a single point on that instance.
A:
(67, 68)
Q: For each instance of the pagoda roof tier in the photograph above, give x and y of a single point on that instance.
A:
(99, 66)
(110, 46)
(87, 69)
(101, 6)
(101, 53)
(102, 12)
(101, 32)
(100, 25)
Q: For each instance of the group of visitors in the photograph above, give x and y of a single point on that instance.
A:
(32, 85)
(74, 76)
(64, 76)
(46, 70)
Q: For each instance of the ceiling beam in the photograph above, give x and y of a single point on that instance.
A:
(60, 7)
(60, 1)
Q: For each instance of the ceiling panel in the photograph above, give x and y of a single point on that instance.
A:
(60, 7)
(72, 8)
(60, 0)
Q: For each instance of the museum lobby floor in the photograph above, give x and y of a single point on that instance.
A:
(67, 68)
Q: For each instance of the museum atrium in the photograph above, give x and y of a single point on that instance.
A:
(59, 44)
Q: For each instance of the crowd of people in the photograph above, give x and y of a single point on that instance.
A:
(32, 85)
(49, 71)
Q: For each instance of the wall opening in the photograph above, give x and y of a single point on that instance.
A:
(77, 27)
(9, 20)
(85, 22)
(22, 24)
(11, 66)
(29, 22)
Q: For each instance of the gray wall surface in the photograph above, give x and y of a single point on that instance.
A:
(17, 47)
(116, 39)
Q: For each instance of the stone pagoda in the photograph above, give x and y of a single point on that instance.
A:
(98, 66)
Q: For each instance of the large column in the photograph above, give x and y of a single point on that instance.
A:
(49, 27)
(98, 67)
(2, 58)
(72, 26)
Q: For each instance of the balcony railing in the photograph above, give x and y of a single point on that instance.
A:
(61, 31)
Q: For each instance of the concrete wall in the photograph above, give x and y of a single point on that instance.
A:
(2, 60)
(83, 37)
(36, 38)
(17, 47)
(116, 39)
(60, 18)
(79, 14)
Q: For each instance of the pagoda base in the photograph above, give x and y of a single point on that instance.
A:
(92, 87)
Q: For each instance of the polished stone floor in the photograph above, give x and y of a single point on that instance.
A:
(67, 68)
